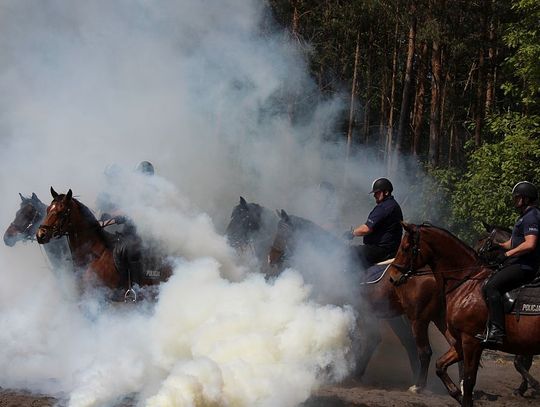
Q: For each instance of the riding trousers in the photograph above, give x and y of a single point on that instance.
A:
(506, 279)
(371, 254)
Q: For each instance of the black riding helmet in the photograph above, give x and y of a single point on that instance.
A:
(525, 189)
(145, 167)
(381, 184)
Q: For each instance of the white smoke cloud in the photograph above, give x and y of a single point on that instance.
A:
(204, 93)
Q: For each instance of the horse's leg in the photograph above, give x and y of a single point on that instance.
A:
(402, 328)
(420, 332)
(440, 323)
(472, 351)
(449, 358)
(371, 334)
(522, 364)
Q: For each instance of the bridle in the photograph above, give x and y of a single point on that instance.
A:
(280, 245)
(29, 231)
(59, 228)
(407, 270)
(487, 246)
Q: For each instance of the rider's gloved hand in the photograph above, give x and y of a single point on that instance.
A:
(501, 258)
(348, 235)
(120, 219)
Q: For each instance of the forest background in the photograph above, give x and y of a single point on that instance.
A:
(452, 86)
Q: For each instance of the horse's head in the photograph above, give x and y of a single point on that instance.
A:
(27, 219)
(246, 221)
(283, 243)
(58, 217)
(487, 245)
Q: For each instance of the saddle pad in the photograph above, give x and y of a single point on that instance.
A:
(374, 273)
(524, 301)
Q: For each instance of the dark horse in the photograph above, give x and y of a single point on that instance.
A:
(460, 274)
(251, 230)
(25, 225)
(383, 299)
(91, 247)
(488, 249)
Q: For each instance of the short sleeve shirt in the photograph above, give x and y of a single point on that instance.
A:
(384, 222)
(527, 224)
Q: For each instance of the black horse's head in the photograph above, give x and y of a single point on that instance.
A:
(246, 221)
(293, 230)
(487, 245)
(27, 220)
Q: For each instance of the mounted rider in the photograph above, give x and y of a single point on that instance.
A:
(382, 230)
(518, 264)
(128, 248)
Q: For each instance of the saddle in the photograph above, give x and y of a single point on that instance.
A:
(524, 300)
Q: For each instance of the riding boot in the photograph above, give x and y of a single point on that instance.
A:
(494, 334)
(136, 270)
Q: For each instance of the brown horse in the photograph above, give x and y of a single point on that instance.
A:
(91, 247)
(488, 249)
(459, 274)
(384, 300)
(24, 227)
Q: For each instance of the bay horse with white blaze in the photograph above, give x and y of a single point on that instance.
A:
(92, 247)
(460, 274)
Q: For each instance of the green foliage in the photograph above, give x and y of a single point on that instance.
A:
(483, 192)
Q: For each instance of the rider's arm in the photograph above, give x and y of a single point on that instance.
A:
(527, 246)
(362, 230)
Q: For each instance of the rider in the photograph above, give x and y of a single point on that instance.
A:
(128, 249)
(519, 264)
(382, 230)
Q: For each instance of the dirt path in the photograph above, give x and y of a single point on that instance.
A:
(385, 385)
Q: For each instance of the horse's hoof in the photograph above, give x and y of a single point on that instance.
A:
(416, 389)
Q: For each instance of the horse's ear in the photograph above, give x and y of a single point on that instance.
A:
(54, 193)
(243, 202)
(34, 197)
(284, 216)
(22, 197)
(487, 226)
(69, 195)
(409, 227)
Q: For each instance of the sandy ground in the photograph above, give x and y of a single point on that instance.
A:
(384, 385)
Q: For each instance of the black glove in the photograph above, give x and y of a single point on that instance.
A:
(120, 219)
(348, 235)
(501, 258)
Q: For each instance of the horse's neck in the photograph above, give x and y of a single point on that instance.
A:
(83, 237)
(452, 262)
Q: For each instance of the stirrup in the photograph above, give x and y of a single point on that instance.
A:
(130, 295)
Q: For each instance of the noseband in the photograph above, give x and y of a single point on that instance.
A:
(59, 228)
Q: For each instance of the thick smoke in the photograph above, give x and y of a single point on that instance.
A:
(206, 92)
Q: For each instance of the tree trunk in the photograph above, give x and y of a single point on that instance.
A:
(480, 87)
(390, 129)
(418, 111)
(407, 83)
(353, 95)
(382, 117)
(490, 77)
(435, 111)
(367, 109)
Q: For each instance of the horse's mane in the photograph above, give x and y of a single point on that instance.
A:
(465, 246)
(89, 217)
(312, 229)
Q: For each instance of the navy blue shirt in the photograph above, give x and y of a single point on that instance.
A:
(384, 222)
(527, 224)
